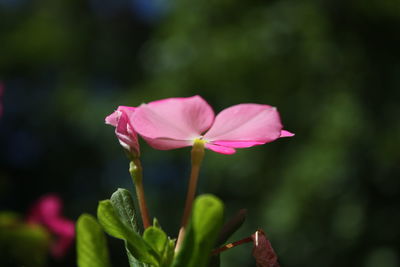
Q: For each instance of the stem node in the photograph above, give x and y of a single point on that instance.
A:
(135, 169)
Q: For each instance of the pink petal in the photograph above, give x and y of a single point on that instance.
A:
(285, 133)
(45, 209)
(65, 231)
(173, 119)
(60, 248)
(113, 118)
(245, 125)
(237, 144)
(47, 212)
(167, 144)
(221, 149)
(61, 226)
(126, 135)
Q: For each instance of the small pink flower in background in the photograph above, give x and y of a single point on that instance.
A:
(177, 122)
(47, 211)
(123, 129)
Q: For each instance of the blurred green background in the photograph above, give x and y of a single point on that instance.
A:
(327, 197)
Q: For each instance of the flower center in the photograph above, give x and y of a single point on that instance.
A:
(199, 141)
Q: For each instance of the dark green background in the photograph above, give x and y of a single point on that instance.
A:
(327, 197)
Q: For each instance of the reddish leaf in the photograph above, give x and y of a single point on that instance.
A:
(262, 251)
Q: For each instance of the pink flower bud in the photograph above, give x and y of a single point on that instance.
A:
(126, 134)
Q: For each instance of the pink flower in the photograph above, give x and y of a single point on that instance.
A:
(47, 212)
(177, 122)
(126, 135)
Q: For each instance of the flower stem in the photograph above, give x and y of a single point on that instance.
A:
(135, 169)
(231, 245)
(197, 157)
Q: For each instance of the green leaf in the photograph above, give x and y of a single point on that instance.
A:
(123, 204)
(133, 262)
(156, 223)
(156, 239)
(21, 243)
(169, 249)
(24, 244)
(91, 243)
(207, 214)
(168, 253)
(201, 233)
(9, 218)
(111, 223)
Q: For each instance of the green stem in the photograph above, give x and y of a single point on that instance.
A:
(197, 157)
(135, 169)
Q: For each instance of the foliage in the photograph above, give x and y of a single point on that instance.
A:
(91, 243)
(153, 248)
(21, 243)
